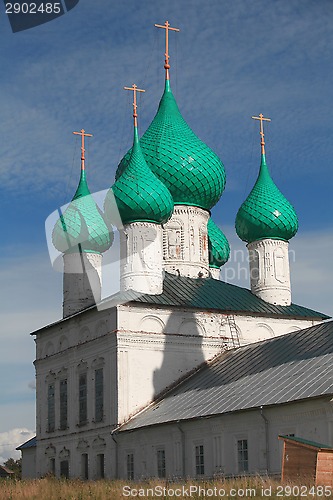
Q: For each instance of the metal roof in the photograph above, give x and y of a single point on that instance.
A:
(306, 442)
(211, 294)
(288, 368)
(31, 443)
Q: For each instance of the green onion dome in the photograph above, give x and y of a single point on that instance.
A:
(139, 194)
(218, 245)
(266, 213)
(193, 174)
(82, 226)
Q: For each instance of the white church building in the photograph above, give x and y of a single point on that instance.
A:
(168, 378)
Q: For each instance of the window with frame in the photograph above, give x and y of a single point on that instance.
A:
(99, 395)
(100, 466)
(63, 404)
(130, 466)
(199, 460)
(52, 466)
(64, 469)
(50, 408)
(83, 398)
(161, 462)
(84, 466)
(242, 455)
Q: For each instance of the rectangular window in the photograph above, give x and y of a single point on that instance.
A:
(100, 466)
(130, 466)
(161, 462)
(63, 404)
(84, 466)
(99, 396)
(243, 456)
(83, 398)
(199, 460)
(52, 466)
(64, 469)
(50, 408)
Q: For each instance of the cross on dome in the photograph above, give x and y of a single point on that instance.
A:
(262, 119)
(167, 27)
(83, 135)
(135, 89)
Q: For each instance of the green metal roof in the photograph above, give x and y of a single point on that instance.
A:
(191, 171)
(139, 194)
(82, 226)
(218, 245)
(306, 442)
(266, 213)
(211, 294)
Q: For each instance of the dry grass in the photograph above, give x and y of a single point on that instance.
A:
(51, 489)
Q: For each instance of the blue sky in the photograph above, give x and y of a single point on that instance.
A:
(231, 60)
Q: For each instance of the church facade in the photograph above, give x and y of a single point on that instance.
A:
(103, 371)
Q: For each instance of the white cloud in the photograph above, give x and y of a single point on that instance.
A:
(10, 440)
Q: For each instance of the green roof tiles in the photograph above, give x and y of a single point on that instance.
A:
(266, 213)
(218, 245)
(82, 224)
(191, 171)
(139, 194)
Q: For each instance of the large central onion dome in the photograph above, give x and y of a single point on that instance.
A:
(82, 227)
(139, 194)
(266, 213)
(191, 171)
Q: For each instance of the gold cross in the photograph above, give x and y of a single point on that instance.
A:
(83, 135)
(135, 89)
(262, 119)
(167, 27)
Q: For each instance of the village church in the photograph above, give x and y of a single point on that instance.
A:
(179, 374)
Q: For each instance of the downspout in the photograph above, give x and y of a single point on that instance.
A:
(113, 433)
(183, 447)
(266, 439)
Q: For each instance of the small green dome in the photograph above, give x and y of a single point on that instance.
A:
(218, 246)
(82, 224)
(266, 213)
(190, 170)
(139, 194)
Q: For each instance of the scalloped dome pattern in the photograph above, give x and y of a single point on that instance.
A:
(266, 213)
(82, 223)
(191, 171)
(218, 245)
(139, 194)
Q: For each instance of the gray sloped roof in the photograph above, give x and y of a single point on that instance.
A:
(288, 368)
(31, 443)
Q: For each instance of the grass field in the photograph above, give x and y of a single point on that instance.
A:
(51, 489)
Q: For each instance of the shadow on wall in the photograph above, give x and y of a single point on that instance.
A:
(182, 351)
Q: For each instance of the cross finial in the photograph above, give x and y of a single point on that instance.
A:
(167, 27)
(262, 119)
(83, 135)
(135, 89)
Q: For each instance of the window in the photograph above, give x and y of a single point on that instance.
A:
(50, 408)
(84, 466)
(130, 466)
(64, 469)
(243, 456)
(100, 466)
(82, 398)
(199, 460)
(161, 462)
(63, 404)
(52, 466)
(99, 399)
